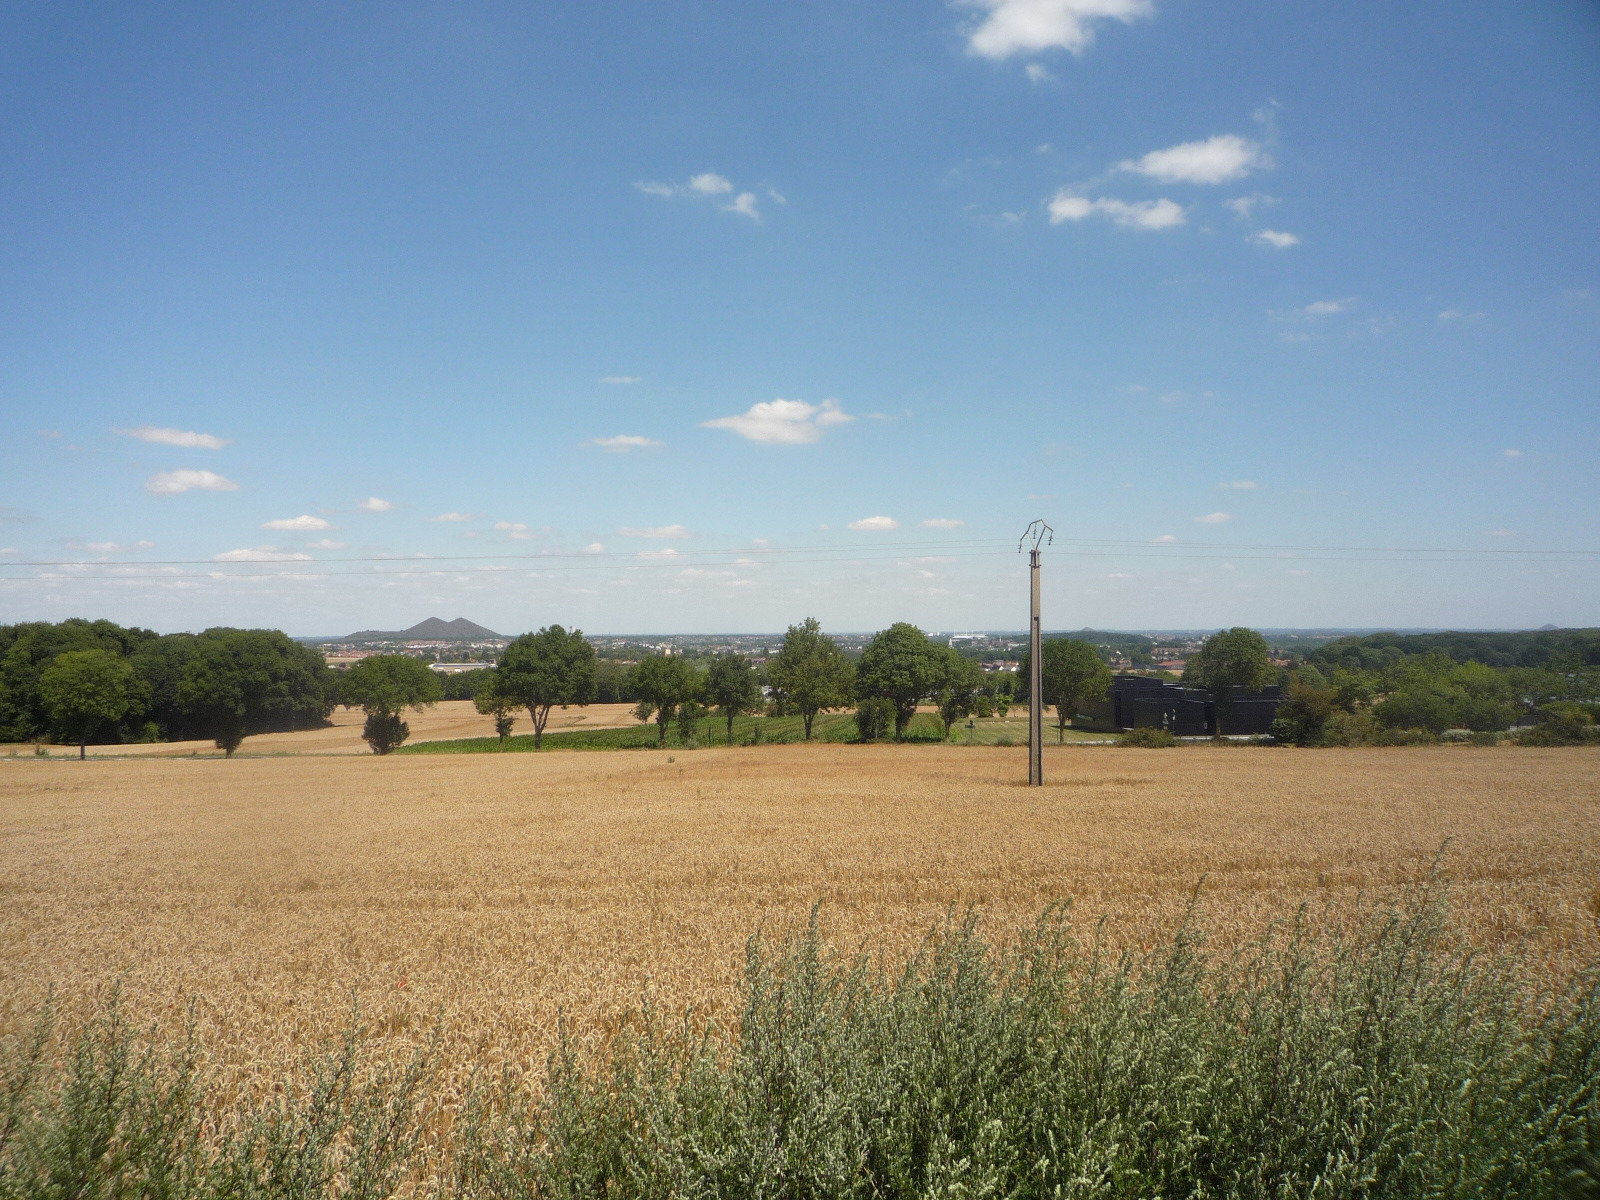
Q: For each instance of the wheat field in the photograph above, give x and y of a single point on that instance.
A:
(486, 896)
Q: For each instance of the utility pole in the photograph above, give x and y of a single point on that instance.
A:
(1039, 533)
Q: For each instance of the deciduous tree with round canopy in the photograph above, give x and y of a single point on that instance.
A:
(385, 685)
(545, 669)
(86, 690)
(810, 674)
(1071, 672)
(1234, 658)
(902, 666)
(660, 683)
(733, 687)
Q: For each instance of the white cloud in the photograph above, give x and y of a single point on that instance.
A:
(1456, 314)
(175, 437)
(262, 554)
(710, 184)
(301, 524)
(1243, 206)
(595, 548)
(373, 504)
(516, 530)
(1243, 485)
(745, 205)
(874, 525)
(622, 379)
(172, 483)
(1216, 518)
(783, 422)
(327, 544)
(1037, 74)
(1275, 238)
(451, 517)
(1029, 26)
(664, 552)
(1513, 453)
(8, 549)
(656, 531)
(1219, 159)
(1141, 214)
(1326, 308)
(942, 523)
(622, 443)
(704, 573)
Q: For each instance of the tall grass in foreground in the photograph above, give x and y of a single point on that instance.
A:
(1385, 1060)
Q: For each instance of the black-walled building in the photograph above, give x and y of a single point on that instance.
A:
(1139, 702)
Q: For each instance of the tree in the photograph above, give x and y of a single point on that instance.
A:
(810, 674)
(385, 685)
(662, 682)
(1234, 658)
(1071, 672)
(1004, 685)
(873, 718)
(491, 701)
(85, 690)
(958, 692)
(544, 669)
(902, 666)
(1304, 715)
(235, 682)
(732, 686)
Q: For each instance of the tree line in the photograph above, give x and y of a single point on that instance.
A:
(82, 681)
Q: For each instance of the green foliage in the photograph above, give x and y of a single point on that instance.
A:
(708, 731)
(1234, 658)
(491, 701)
(1304, 713)
(1071, 673)
(874, 719)
(1564, 649)
(810, 674)
(86, 690)
(661, 682)
(1149, 738)
(385, 685)
(959, 692)
(903, 666)
(1561, 725)
(27, 649)
(548, 668)
(465, 685)
(734, 688)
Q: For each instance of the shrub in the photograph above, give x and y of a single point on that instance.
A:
(874, 718)
(1349, 729)
(1149, 739)
(1561, 725)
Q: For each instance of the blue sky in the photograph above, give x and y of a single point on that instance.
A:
(1281, 314)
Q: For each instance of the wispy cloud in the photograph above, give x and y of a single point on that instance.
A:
(1244, 206)
(708, 185)
(664, 552)
(373, 504)
(1219, 159)
(1499, 533)
(1456, 314)
(622, 379)
(1008, 27)
(942, 523)
(262, 554)
(622, 443)
(327, 544)
(1139, 214)
(301, 524)
(1242, 485)
(449, 517)
(783, 422)
(1275, 238)
(176, 437)
(1037, 74)
(1513, 453)
(110, 547)
(173, 483)
(874, 525)
(1165, 537)
(658, 532)
(515, 530)
(1216, 518)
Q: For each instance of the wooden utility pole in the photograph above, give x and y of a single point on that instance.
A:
(1039, 533)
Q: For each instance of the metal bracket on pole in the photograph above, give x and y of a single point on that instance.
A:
(1039, 534)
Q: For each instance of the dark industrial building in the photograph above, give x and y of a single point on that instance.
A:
(1139, 702)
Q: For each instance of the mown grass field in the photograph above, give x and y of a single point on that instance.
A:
(494, 893)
